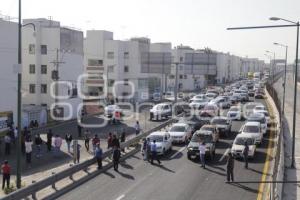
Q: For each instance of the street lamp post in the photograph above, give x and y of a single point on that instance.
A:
(273, 66)
(284, 81)
(295, 87)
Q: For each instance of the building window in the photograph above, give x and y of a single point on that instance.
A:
(44, 104)
(95, 62)
(110, 68)
(110, 55)
(181, 59)
(32, 69)
(43, 69)
(180, 76)
(126, 55)
(126, 68)
(111, 83)
(171, 76)
(31, 88)
(185, 76)
(31, 49)
(126, 81)
(44, 49)
(44, 88)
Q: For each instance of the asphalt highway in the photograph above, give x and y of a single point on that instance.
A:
(178, 177)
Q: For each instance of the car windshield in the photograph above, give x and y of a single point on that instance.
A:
(251, 129)
(234, 109)
(177, 129)
(207, 138)
(157, 107)
(219, 121)
(157, 138)
(259, 108)
(260, 120)
(209, 108)
(241, 141)
(207, 128)
(199, 101)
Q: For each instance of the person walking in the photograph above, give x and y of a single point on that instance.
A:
(115, 141)
(7, 142)
(98, 156)
(28, 150)
(95, 141)
(68, 139)
(87, 140)
(49, 140)
(245, 154)
(5, 169)
(38, 142)
(144, 149)
(109, 141)
(230, 167)
(122, 139)
(154, 152)
(137, 128)
(57, 144)
(77, 154)
(116, 158)
(202, 148)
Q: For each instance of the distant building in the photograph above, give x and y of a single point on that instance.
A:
(52, 53)
(8, 74)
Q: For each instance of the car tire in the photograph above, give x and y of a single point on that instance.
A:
(189, 157)
(156, 117)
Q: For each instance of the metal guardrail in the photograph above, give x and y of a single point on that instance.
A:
(32, 189)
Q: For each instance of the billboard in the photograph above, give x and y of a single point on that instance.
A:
(156, 62)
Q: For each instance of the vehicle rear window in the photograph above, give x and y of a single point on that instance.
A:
(251, 129)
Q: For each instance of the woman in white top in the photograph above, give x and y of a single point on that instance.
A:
(28, 150)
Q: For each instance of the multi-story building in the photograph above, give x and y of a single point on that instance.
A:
(8, 75)
(125, 68)
(52, 62)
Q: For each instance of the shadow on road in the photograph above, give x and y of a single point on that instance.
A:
(128, 176)
(245, 187)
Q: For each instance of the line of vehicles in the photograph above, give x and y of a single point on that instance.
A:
(209, 125)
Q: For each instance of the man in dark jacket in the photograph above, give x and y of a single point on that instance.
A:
(49, 140)
(115, 142)
(230, 167)
(116, 158)
(38, 142)
(245, 154)
(68, 139)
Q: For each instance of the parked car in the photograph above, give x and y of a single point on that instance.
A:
(238, 145)
(223, 125)
(180, 132)
(221, 102)
(110, 110)
(193, 146)
(163, 141)
(259, 117)
(235, 113)
(253, 128)
(213, 129)
(199, 103)
(159, 111)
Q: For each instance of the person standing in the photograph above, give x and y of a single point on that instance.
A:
(230, 167)
(115, 142)
(68, 139)
(87, 140)
(5, 168)
(137, 128)
(38, 142)
(144, 149)
(28, 150)
(77, 154)
(57, 144)
(49, 140)
(116, 158)
(98, 156)
(95, 141)
(154, 152)
(7, 142)
(202, 148)
(123, 138)
(79, 128)
(245, 154)
(109, 141)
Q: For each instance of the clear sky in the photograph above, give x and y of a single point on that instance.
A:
(197, 23)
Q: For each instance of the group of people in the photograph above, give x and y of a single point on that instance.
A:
(149, 151)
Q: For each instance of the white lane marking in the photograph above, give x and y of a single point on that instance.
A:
(178, 152)
(120, 197)
(225, 154)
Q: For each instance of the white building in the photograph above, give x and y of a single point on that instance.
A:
(8, 77)
(47, 51)
(122, 63)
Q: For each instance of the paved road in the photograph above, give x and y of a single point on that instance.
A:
(177, 178)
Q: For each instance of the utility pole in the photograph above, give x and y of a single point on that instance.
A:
(55, 76)
(176, 82)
